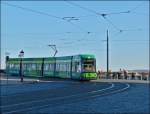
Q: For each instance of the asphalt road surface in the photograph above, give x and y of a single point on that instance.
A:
(74, 97)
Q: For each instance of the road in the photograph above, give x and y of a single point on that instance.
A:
(62, 96)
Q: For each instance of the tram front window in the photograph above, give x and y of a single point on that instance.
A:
(88, 65)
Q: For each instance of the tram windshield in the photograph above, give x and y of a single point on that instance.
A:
(88, 65)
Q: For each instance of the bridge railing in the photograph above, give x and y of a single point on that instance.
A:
(128, 76)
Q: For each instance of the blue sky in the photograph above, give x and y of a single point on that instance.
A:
(33, 31)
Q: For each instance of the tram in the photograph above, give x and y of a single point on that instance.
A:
(80, 67)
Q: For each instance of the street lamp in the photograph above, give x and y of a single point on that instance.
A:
(7, 65)
(21, 54)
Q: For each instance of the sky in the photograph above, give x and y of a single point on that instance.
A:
(33, 25)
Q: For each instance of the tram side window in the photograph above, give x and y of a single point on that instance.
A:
(17, 66)
(49, 67)
(65, 67)
(76, 67)
(62, 67)
(38, 66)
(14, 66)
(68, 67)
(29, 67)
(57, 67)
(24, 66)
(73, 67)
(46, 66)
(11, 66)
(33, 67)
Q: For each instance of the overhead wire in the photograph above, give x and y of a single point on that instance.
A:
(92, 11)
(139, 29)
(31, 10)
(97, 13)
(117, 13)
(136, 7)
(130, 40)
(104, 15)
(132, 10)
(140, 13)
(43, 13)
(77, 26)
(84, 8)
(39, 12)
(112, 23)
(124, 30)
(51, 33)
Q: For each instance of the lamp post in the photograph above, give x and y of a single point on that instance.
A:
(21, 54)
(7, 65)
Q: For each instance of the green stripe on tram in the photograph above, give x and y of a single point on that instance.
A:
(87, 56)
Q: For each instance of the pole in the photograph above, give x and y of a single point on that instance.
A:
(21, 54)
(21, 71)
(7, 68)
(107, 55)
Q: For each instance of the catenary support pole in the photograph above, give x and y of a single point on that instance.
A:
(107, 55)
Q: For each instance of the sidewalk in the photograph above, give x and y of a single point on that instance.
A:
(121, 80)
(14, 80)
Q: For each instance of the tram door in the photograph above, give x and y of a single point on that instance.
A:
(76, 69)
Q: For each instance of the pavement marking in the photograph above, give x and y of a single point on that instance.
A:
(112, 85)
(14, 79)
(119, 90)
(121, 80)
(33, 80)
(7, 79)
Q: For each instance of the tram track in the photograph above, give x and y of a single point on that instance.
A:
(67, 90)
(29, 106)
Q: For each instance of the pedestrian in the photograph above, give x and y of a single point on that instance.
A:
(133, 75)
(114, 74)
(98, 74)
(119, 74)
(125, 74)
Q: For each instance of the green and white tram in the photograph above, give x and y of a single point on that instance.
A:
(81, 67)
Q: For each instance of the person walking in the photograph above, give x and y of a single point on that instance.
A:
(125, 74)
